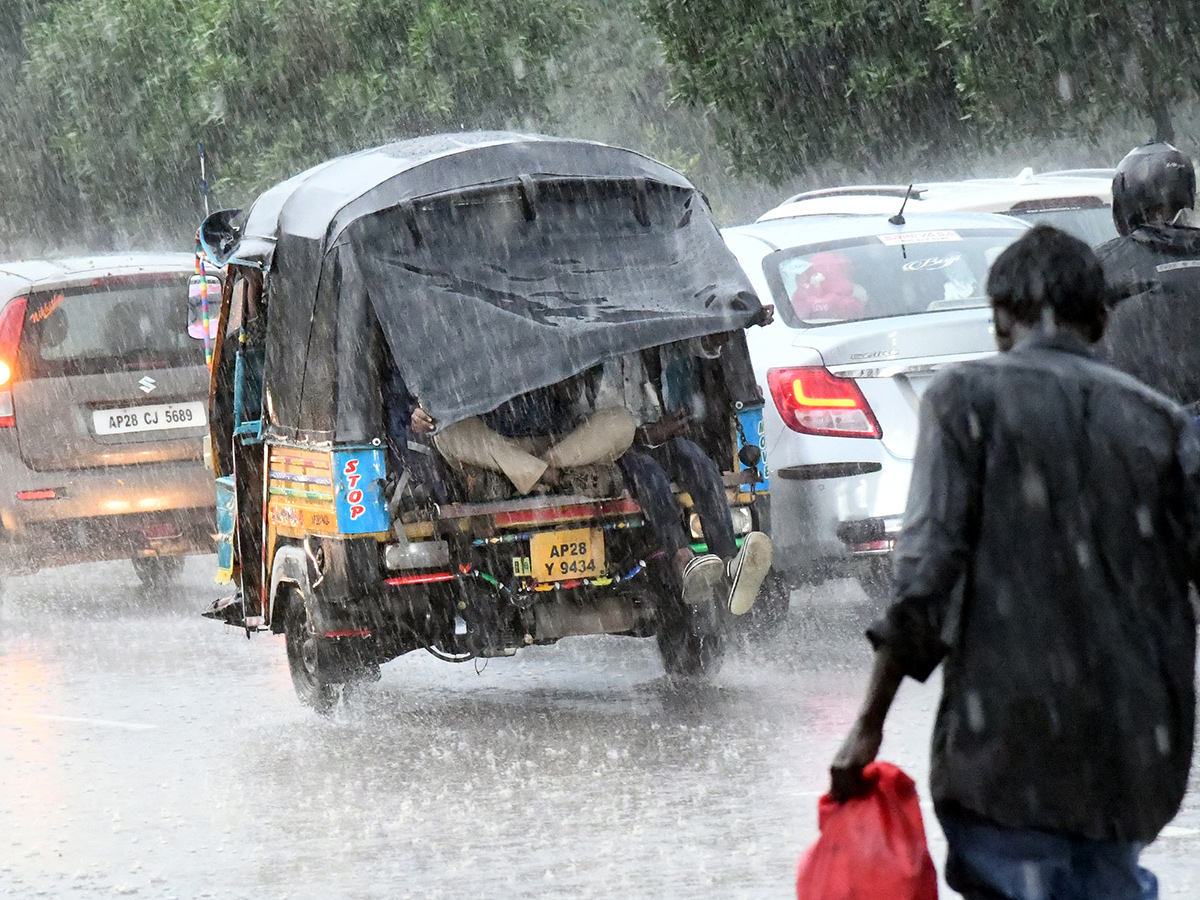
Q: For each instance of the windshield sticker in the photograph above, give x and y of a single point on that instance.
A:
(919, 237)
(1182, 264)
(931, 263)
(43, 311)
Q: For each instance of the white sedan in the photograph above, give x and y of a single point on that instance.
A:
(867, 311)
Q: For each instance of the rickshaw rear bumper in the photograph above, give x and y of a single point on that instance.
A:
(468, 582)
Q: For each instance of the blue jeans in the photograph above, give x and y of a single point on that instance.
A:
(649, 473)
(989, 862)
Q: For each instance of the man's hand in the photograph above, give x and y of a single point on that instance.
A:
(860, 747)
(422, 422)
(862, 743)
(669, 426)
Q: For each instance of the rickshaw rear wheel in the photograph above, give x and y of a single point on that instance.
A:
(312, 684)
(157, 572)
(690, 641)
(769, 614)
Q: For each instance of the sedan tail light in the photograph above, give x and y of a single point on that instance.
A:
(12, 322)
(812, 400)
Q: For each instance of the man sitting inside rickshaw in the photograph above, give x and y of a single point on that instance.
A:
(615, 413)
(539, 440)
(661, 453)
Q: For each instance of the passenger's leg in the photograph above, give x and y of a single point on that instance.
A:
(698, 580)
(601, 438)
(473, 443)
(746, 568)
(651, 487)
(697, 474)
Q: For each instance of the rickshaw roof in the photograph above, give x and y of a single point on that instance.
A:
(490, 264)
(319, 203)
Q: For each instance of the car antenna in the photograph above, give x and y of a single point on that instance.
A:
(898, 218)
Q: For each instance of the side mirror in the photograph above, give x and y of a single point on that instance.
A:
(204, 303)
(219, 236)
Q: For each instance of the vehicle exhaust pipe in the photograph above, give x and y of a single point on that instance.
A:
(554, 619)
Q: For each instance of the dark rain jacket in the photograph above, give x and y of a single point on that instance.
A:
(1154, 330)
(1049, 539)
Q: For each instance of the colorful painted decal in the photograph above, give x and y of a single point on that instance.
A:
(300, 485)
(750, 431)
(287, 516)
(358, 491)
(226, 522)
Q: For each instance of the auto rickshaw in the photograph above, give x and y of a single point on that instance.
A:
(480, 266)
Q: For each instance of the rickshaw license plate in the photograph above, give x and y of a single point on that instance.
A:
(567, 555)
(156, 417)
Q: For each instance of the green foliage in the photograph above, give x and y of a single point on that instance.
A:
(616, 88)
(102, 102)
(791, 84)
(1062, 67)
(862, 82)
(124, 89)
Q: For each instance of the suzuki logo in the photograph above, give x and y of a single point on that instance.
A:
(147, 384)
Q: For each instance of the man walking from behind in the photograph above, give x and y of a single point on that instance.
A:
(1049, 539)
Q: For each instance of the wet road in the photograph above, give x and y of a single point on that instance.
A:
(145, 751)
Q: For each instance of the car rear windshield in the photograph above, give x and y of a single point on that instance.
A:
(884, 275)
(1093, 226)
(112, 326)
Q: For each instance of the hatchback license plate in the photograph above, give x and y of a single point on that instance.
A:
(567, 555)
(159, 417)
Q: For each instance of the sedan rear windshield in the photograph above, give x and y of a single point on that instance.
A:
(1092, 226)
(884, 275)
(111, 326)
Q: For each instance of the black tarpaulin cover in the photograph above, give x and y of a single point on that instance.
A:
(482, 297)
(495, 263)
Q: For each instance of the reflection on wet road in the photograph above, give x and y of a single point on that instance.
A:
(146, 751)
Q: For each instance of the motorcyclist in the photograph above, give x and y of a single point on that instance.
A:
(1153, 272)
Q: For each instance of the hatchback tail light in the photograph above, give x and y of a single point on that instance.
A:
(12, 322)
(811, 400)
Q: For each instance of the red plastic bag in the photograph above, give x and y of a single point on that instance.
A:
(871, 847)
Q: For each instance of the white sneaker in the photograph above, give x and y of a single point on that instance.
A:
(704, 581)
(746, 571)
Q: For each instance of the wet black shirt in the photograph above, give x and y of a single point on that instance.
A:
(1050, 534)
(1154, 330)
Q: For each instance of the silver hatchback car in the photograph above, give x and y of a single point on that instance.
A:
(867, 309)
(103, 413)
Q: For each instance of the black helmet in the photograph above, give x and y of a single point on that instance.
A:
(1153, 183)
